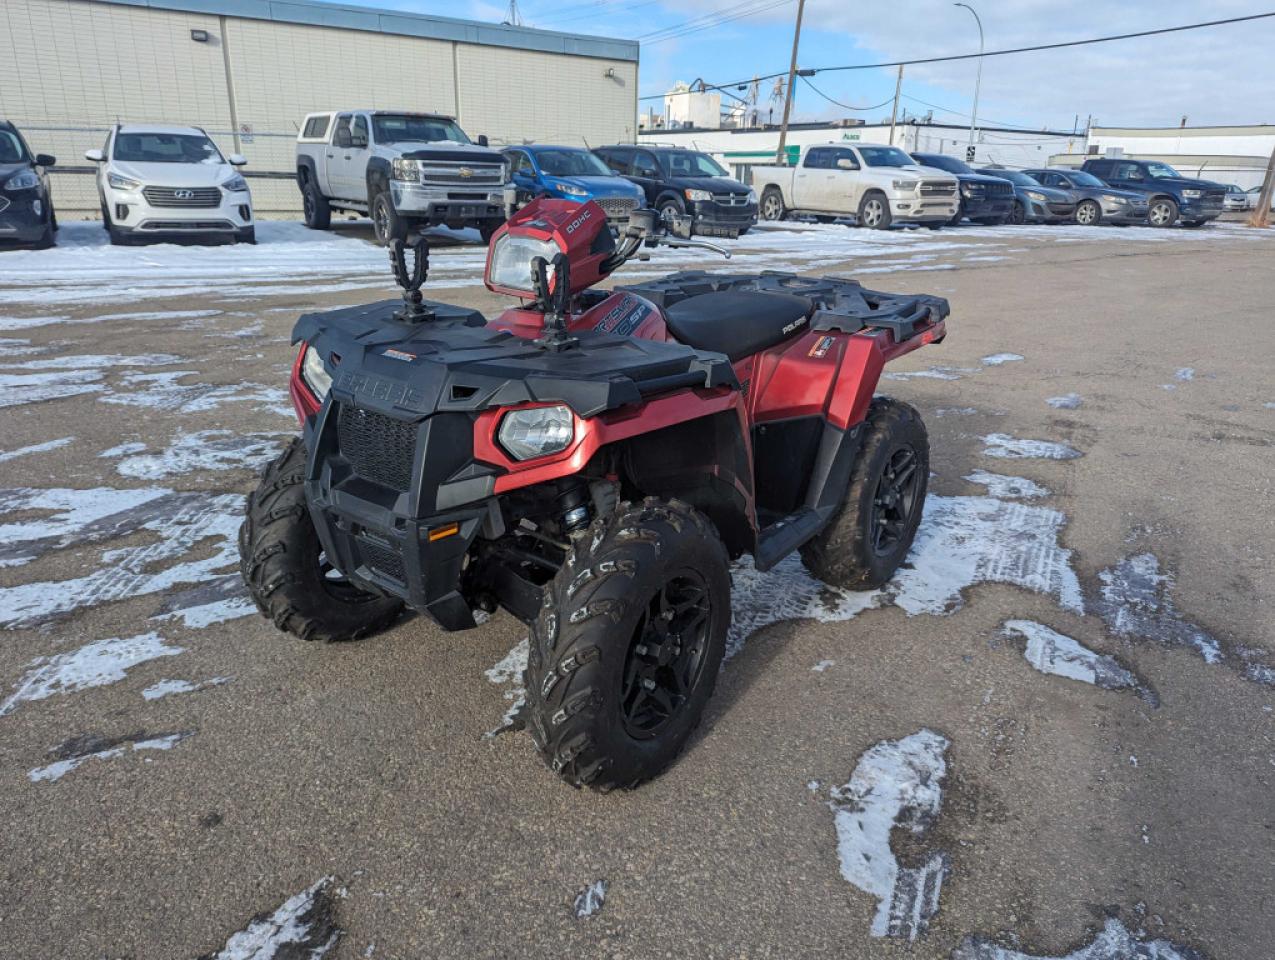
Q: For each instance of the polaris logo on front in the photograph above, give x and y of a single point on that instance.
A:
(575, 224)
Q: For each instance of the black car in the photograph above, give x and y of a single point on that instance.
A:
(687, 181)
(1170, 196)
(26, 205)
(1095, 201)
(984, 199)
(1033, 202)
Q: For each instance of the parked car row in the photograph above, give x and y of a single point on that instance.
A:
(881, 185)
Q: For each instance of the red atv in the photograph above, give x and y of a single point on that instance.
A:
(591, 461)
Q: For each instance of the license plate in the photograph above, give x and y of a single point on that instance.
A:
(714, 230)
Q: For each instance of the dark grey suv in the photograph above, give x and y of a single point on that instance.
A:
(1095, 201)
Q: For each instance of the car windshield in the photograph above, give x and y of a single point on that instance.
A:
(166, 148)
(571, 163)
(1013, 176)
(1082, 179)
(950, 164)
(11, 150)
(1162, 171)
(885, 157)
(684, 163)
(413, 128)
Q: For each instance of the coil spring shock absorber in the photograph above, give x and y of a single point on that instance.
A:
(573, 508)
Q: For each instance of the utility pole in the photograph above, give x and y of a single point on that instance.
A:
(792, 76)
(894, 113)
(978, 80)
(1262, 215)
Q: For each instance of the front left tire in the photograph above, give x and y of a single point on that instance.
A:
(387, 225)
(625, 652)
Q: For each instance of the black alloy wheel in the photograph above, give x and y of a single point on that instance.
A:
(895, 500)
(666, 656)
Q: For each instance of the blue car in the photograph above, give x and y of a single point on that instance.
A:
(572, 173)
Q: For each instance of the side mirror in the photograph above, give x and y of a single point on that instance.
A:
(237, 159)
(95, 155)
(846, 164)
(45, 160)
(482, 139)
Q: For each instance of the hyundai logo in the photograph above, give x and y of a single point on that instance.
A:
(184, 194)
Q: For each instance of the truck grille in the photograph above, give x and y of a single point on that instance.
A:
(731, 199)
(183, 196)
(464, 174)
(175, 226)
(616, 208)
(937, 188)
(380, 448)
(1003, 189)
(383, 560)
(1214, 196)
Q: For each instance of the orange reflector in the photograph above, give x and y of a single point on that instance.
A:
(441, 533)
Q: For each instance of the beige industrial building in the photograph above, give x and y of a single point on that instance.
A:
(247, 71)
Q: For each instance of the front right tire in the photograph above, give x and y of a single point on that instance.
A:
(387, 225)
(625, 652)
(1163, 212)
(283, 566)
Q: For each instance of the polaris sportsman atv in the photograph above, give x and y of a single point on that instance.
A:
(591, 461)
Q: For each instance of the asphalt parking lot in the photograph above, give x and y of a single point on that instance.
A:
(1055, 730)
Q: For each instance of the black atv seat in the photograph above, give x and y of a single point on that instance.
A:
(737, 323)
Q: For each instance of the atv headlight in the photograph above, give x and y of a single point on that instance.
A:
(236, 184)
(23, 181)
(697, 195)
(510, 264)
(122, 183)
(571, 191)
(409, 171)
(314, 374)
(536, 432)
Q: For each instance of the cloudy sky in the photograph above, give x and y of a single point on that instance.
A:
(1217, 75)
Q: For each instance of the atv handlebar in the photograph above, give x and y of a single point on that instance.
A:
(644, 229)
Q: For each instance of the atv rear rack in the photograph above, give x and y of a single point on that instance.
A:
(837, 303)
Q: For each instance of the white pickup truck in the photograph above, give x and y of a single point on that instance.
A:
(875, 184)
(402, 169)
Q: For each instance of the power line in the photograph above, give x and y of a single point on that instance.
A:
(750, 8)
(847, 106)
(1001, 53)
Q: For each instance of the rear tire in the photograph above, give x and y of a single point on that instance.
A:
(280, 561)
(871, 534)
(625, 652)
(317, 210)
(772, 204)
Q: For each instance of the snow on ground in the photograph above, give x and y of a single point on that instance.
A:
(80, 749)
(304, 926)
(1134, 600)
(1008, 488)
(897, 784)
(20, 388)
(162, 391)
(1051, 652)
(48, 445)
(289, 260)
(93, 665)
(1068, 401)
(1005, 447)
(166, 688)
(176, 523)
(590, 900)
(1115, 942)
(202, 451)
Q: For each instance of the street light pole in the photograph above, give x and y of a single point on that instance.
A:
(978, 78)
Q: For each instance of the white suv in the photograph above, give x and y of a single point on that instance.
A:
(168, 181)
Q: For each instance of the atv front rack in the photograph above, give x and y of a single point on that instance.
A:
(837, 303)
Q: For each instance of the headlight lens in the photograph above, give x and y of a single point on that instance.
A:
(236, 184)
(906, 185)
(511, 261)
(406, 170)
(571, 191)
(537, 432)
(1038, 197)
(122, 183)
(1109, 198)
(1193, 194)
(23, 181)
(314, 374)
(694, 195)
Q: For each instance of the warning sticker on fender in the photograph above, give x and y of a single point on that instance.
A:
(821, 347)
